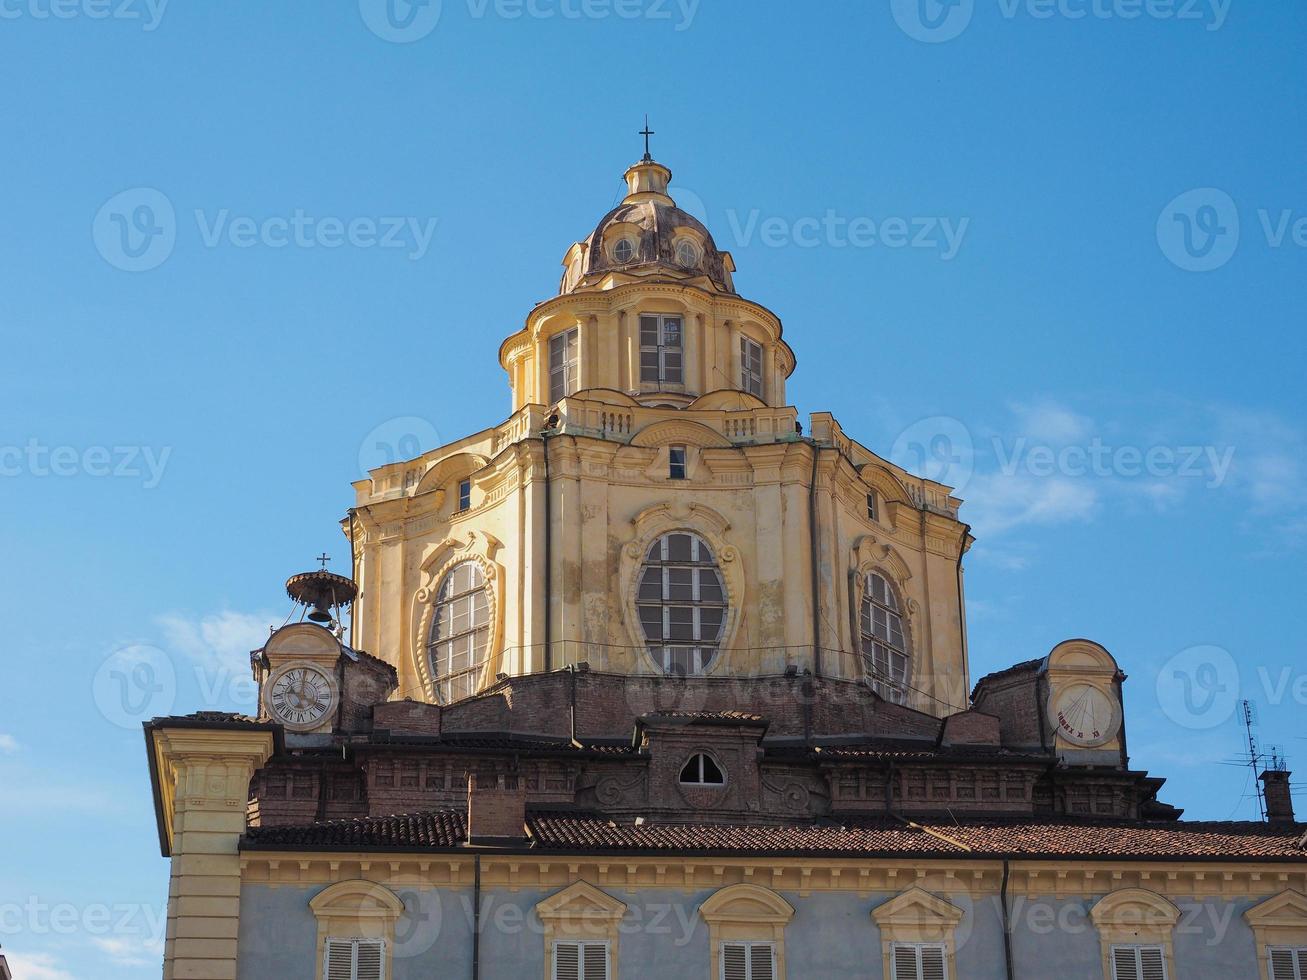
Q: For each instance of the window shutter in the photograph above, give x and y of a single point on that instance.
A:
(339, 963)
(760, 962)
(904, 960)
(1125, 963)
(932, 963)
(595, 957)
(1152, 963)
(735, 961)
(1282, 965)
(567, 961)
(371, 956)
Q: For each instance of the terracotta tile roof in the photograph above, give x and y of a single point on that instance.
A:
(435, 829)
(490, 741)
(569, 831)
(742, 717)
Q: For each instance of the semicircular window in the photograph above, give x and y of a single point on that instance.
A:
(884, 651)
(460, 632)
(701, 770)
(681, 602)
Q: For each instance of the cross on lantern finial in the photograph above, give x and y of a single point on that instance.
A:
(646, 133)
(324, 558)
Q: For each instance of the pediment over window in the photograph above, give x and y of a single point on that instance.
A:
(579, 905)
(1287, 910)
(356, 900)
(748, 904)
(1135, 909)
(918, 912)
(681, 432)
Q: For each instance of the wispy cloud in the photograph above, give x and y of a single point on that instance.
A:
(36, 966)
(136, 951)
(8, 744)
(216, 640)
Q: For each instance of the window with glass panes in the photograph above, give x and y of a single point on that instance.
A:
(563, 376)
(748, 961)
(1138, 963)
(660, 349)
(884, 650)
(460, 632)
(751, 366)
(918, 961)
(681, 603)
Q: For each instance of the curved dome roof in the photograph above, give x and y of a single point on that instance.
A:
(647, 234)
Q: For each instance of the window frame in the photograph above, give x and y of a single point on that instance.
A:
(701, 758)
(665, 648)
(582, 945)
(447, 683)
(678, 463)
(618, 243)
(749, 945)
(919, 949)
(694, 253)
(354, 943)
(1298, 961)
(663, 353)
(873, 647)
(751, 378)
(1138, 949)
(464, 495)
(873, 506)
(564, 364)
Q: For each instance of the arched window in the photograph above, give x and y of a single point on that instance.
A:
(460, 632)
(681, 602)
(701, 770)
(884, 651)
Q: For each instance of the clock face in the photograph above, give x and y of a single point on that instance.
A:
(1085, 715)
(301, 696)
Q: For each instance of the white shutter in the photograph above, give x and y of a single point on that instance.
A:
(761, 966)
(1125, 963)
(735, 961)
(595, 959)
(354, 959)
(1152, 963)
(567, 961)
(339, 962)
(370, 959)
(904, 962)
(932, 963)
(1288, 963)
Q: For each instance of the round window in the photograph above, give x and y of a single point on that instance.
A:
(687, 254)
(624, 250)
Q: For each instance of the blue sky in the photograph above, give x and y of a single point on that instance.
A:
(1058, 244)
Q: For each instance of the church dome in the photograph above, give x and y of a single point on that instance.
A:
(646, 236)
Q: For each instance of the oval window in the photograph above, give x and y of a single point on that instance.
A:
(624, 251)
(687, 254)
(701, 770)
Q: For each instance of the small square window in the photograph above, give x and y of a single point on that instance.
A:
(676, 463)
(465, 495)
(871, 507)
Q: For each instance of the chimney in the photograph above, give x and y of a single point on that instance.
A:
(1279, 800)
(496, 809)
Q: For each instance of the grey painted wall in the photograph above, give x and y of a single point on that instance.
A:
(832, 936)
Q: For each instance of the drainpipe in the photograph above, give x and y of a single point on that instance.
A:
(354, 577)
(813, 548)
(1007, 922)
(476, 917)
(549, 565)
(962, 619)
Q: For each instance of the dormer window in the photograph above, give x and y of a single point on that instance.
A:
(623, 251)
(562, 365)
(751, 366)
(687, 255)
(701, 770)
(676, 463)
(660, 349)
(464, 495)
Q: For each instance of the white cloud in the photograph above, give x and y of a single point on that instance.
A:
(137, 951)
(997, 503)
(1051, 424)
(219, 640)
(8, 744)
(36, 966)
